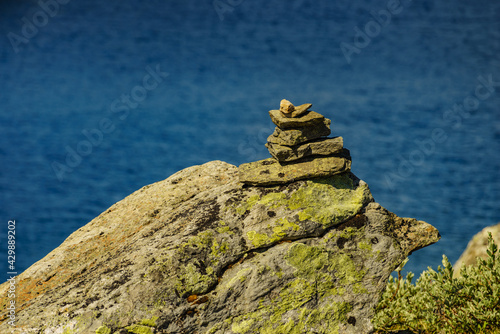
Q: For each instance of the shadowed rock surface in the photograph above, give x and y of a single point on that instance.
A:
(292, 137)
(202, 253)
(327, 146)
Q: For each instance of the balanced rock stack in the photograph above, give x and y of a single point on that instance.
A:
(300, 149)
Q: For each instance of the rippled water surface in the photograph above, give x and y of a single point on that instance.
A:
(396, 99)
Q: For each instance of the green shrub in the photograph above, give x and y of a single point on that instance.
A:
(439, 303)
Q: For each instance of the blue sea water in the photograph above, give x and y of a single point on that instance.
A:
(395, 95)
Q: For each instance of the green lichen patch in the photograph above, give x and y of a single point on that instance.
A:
(250, 202)
(244, 326)
(281, 229)
(318, 199)
(278, 273)
(224, 229)
(197, 261)
(258, 239)
(339, 236)
(217, 249)
(365, 245)
(326, 320)
(203, 240)
(273, 200)
(69, 331)
(139, 329)
(304, 320)
(312, 301)
(329, 201)
(192, 281)
(349, 233)
(311, 261)
(307, 260)
(149, 322)
(103, 330)
(322, 202)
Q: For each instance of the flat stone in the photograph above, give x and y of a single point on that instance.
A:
(292, 137)
(310, 119)
(326, 146)
(301, 110)
(270, 171)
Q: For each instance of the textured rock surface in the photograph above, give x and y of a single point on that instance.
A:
(201, 253)
(327, 146)
(307, 120)
(294, 137)
(301, 110)
(477, 247)
(270, 172)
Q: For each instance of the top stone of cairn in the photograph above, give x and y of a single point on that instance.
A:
(291, 117)
(289, 110)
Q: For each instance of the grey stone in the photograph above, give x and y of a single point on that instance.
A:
(310, 119)
(201, 253)
(326, 146)
(292, 137)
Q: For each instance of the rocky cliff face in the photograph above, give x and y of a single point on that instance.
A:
(201, 252)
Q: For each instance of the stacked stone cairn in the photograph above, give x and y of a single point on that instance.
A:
(300, 149)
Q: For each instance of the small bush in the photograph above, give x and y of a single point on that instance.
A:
(439, 303)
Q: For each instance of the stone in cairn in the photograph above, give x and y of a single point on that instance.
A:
(296, 125)
(299, 149)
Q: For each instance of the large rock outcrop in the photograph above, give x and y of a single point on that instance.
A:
(201, 252)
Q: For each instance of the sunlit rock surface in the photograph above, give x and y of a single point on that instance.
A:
(201, 252)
